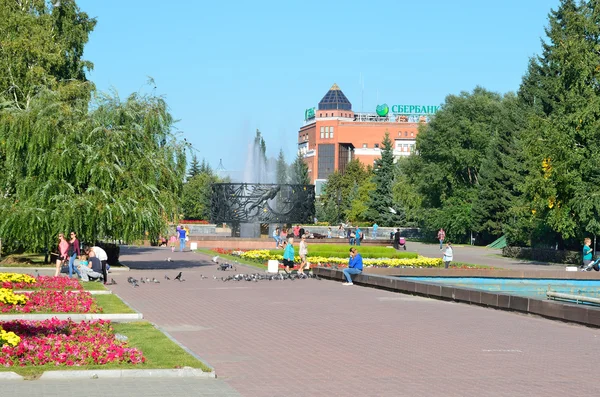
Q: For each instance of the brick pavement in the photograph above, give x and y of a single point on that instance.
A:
(314, 338)
(309, 337)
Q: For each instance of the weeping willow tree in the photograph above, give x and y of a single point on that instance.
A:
(112, 169)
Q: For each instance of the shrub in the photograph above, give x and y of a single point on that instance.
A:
(542, 255)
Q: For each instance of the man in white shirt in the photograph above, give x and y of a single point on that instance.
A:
(101, 255)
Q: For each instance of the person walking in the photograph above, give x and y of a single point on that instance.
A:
(374, 232)
(587, 252)
(448, 255)
(441, 237)
(355, 266)
(288, 255)
(73, 253)
(303, 251)
(63, 249)
(182, 235)
(359, 236)
(397, 239)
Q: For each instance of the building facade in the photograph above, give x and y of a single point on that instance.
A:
(333, 134)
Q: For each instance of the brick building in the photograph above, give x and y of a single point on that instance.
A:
(333, 134)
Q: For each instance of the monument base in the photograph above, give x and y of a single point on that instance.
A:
(250, 230)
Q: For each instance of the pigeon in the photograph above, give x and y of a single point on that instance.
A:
(169, 259)
(178, 277)
(167, 277)
(215, 277)
(37, 274)
(113, 282)
(215, 259)
(155, 280)
(202, 277)
(143, 281)
(147, 280)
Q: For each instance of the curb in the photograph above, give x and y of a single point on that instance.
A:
(116, 317)
(186, 372)
(10, 376)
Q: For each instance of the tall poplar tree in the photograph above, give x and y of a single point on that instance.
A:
(562, 136)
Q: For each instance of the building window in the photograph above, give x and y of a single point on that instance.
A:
(405, 147)
(331, 133)
(326, 114)
(365, 145)
(412, 134)
(399, 133)
(322, 132)
(320, 114)
(405, 133)
(376, 146)
(326, 160)
(326, 132)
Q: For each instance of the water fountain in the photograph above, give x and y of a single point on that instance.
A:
(258, 200)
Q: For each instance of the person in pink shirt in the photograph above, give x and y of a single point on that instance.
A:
(63, 248)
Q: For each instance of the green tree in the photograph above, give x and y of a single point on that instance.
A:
(562, 135)
(344, 195)
(196, 196)
(299, 172)
(281, 169)
(194, 167)
(501, 173)
(113, 172)
(381, 202)
(41, 46)
(450, 152)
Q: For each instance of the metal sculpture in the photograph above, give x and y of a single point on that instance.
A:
(262, 203)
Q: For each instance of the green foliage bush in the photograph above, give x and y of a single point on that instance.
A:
(543, 255)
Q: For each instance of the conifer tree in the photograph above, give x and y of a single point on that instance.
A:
(381, 202)
(281, 169)
(194, 167)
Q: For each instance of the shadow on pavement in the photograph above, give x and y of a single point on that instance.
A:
(161, 258)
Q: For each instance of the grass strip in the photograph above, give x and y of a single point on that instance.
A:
(232, 258)
(112, 304)
(160, 352)
(93, 286)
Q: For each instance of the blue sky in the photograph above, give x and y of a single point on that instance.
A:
(227, 68)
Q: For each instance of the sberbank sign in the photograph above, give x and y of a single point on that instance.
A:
(309, 114)
(414, 109)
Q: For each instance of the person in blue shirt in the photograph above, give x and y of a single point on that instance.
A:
(355, 266)
(358, 236)
(587, 252)
(375, 227)
(288, 255)
(181, 232)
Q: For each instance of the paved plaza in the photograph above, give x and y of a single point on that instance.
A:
(319, 338)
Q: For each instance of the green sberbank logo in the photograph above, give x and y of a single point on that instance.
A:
(382, 110)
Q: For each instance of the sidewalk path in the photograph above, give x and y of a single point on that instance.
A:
(319, 338)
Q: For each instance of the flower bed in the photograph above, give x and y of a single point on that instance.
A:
(420, 261)
(49, 301)
(65, 343)
(16, 278)
(45, 282)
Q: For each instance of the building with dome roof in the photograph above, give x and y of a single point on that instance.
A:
(333, 134)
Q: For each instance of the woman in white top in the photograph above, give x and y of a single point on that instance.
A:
(447, 255)
(303, 252)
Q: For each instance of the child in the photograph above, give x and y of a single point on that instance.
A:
(172, 241)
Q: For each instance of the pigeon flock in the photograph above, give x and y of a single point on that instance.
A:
(237, 277)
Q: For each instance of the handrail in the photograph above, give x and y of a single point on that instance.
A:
(577, 298)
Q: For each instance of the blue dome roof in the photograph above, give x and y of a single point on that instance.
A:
(335, 99)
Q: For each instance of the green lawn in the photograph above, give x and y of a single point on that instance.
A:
(342, 251)
(232, 258)
(159, 350)
(112, 304)
(92, 286)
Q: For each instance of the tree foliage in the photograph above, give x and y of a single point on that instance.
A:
(562, 135)
(299, 172)
(381, 201)
(41, 46)
(114, 171)
(281, 169)
(345, 195)
(194, 167)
